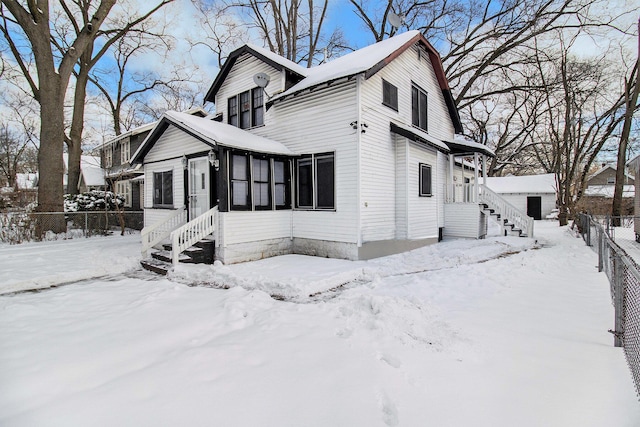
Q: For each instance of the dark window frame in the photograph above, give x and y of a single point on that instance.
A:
(315, 194)
(389, 95)
(262, 160)
(419, 107)
(163, 189)
(423, 168)
(233, 180)
(245, 110)
(285, 183)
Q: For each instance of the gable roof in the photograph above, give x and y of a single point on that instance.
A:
(544, 183)
(210, 132)
(368, 60)
(276, 61)
(605, 168)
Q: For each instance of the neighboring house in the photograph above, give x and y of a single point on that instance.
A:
(597, 198)
(91, 174)
(351, 159)
(122, 177)
(534, 194)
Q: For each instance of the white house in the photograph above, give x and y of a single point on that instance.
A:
(352, 159)
(534, 194)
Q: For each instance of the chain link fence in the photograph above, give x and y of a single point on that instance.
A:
(624, 277)
(21, 226)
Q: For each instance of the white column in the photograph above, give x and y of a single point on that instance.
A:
(476, 186)
(452, 190)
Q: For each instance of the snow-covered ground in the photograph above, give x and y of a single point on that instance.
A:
(499, 332)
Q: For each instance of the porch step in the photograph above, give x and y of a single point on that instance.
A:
(200, 253)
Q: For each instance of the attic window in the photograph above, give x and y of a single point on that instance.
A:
(611, 180)
(389, 95)
(246, 109)
(419, 107)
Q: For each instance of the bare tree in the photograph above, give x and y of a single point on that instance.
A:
(16, 153)
(114, 30)
(121, 88)
(631, 105)
(293, 29)
(29, 22)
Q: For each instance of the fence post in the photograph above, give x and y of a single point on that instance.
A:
(588, 221)
(86, 224)
(600, 237)
(618, 301)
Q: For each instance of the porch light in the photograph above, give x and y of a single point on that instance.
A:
(213, 160)
(185, 162)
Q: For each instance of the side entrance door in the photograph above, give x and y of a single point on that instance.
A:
(198, 187)
(534, 207)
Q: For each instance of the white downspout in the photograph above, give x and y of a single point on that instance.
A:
(476, 186)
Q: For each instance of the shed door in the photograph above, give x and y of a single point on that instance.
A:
(534, 207)
(198, 187)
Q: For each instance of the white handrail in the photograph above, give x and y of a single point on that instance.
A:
(156, 232)
(519, 219)
(184, 237)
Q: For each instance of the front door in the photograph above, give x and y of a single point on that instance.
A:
(534, 207)
(198, 187)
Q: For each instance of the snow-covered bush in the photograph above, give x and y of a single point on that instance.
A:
(92, 201)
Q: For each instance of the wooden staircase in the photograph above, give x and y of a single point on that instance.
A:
(193, 242)
(513, 222)
(161, 261)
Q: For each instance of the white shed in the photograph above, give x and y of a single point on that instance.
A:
(533, 194)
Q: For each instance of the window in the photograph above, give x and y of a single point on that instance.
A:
(389, 95)
(163, 189)
(257, 110)
(419, 107)
(282, 197)
(239, 182)
(611, 180)
(425, 180)
(108, 157)
(261, 184)
(123, 188)
(246, 109)
(125, 151)
(233, 111)
(316, 181)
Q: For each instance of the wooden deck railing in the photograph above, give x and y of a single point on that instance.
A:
(155, 233)
(185, 236)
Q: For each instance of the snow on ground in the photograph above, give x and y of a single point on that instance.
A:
(500, 332)
(38, 265)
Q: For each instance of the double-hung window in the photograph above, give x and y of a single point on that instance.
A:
(389, 95)
(261, 184)
(125, 151)
(246, 109)
(419, 107)
(425, 180)
(108, 156)
(123, 188)
(282, 195)
(316, 181)
(240, 197)
(163, 189)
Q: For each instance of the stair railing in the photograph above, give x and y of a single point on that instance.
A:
(518, 218)
(187, 235)
(158, 231)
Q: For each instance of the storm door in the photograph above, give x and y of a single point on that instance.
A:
(198, 187)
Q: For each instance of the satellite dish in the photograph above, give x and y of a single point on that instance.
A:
(261, 79)
(396, 21)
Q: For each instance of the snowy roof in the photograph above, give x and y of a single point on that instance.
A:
(604, 168)
(93, 176)
(286, 63)
(418, 135)
(194, 111)
(544, 183)
(354, 63)
(26, 181)
(211, 133)
(467, 146)
(608, 190)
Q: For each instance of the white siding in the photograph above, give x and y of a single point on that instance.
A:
(442, 162)
(318, 122)
(243, 227)
(385, 217)
(401, 190)
(463, 220)
(519, 200)
(423, 211)
(240, 79)
(166, 155)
